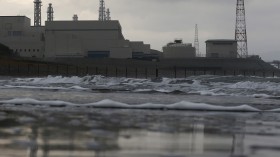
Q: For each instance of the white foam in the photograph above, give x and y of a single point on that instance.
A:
(55, 80)
(268, 86)
(275, 110)
(203, 85)
(184, 105)
(45, 88)
(143, 90)
(35, 87)
(78, 88)
(261, 96)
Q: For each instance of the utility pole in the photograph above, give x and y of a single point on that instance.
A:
(241, 30)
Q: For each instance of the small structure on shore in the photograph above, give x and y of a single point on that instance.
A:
(221, 48)
(178, 49)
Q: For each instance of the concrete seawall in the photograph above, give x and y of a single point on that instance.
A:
(135, 68)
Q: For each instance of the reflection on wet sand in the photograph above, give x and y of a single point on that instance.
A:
(99, 135)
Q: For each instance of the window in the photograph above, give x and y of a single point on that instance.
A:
(38, 50)
(17, 33)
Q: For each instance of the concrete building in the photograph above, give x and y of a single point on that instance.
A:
(19, 36)
(178, 49)
(93, 39)
(221, 48)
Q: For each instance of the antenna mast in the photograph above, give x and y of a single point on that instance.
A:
(75, 17)
(196, 41)
(37, 12)
(108, 15)
(240, 30)
(50, 12)
(102, 14)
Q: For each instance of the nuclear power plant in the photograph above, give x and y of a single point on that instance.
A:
(103, 38)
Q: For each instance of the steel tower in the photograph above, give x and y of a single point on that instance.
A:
(37, 12)
(196, 41)
(240, 30)
(75, 17)
(108, 15)
(102, 14)
(50, 13)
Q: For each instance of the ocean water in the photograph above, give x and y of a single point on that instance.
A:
(96, 116)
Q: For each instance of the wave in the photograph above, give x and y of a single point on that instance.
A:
(44, 88)
(183, 105)
(207, 85)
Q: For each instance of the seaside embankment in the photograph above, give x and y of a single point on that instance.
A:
(172, 68)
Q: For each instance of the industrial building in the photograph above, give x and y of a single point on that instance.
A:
(94, 39)
(101, 38)
(18, 35)
(178, 49)
(221, 48)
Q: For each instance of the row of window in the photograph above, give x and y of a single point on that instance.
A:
(26, 50)
(14, 33)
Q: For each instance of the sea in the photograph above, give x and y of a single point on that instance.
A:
(97, 116)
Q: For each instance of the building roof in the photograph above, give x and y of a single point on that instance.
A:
(221, 40)
(14, 16)
(82, 25)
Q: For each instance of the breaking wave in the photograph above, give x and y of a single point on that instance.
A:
(183, 105)
(200, 85)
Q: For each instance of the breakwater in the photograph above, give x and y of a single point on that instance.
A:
(136, 69)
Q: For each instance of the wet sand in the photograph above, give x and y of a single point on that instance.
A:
(52, 132)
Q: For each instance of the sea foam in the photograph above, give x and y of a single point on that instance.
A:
(183, 105)
(200, 85)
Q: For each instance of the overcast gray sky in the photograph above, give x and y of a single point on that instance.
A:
(158, 22)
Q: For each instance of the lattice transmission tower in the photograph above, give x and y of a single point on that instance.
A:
(102, 11)
(108, 15)
(50, 13)
(240, 30)
(37, 12)
(196, 42)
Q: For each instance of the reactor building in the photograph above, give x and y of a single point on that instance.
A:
(102, 38)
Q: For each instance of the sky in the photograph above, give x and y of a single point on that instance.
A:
(158, 22)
